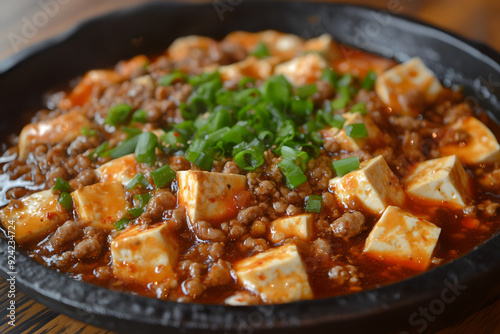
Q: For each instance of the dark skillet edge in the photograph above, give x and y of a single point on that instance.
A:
(118, 311)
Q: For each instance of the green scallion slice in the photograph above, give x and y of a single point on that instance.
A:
(145, 149)
(293, 174)
(359, 107)
(261, 51)
(88, 132)
(307, 91)
(127, 147)
(162, 176)
(62, 185)
(121, 224)
(357, 130)
(344, 166)
(330, 76)
(100, 151)
(369, 80)
(138, 180)
(139, 116)
(66, 200)
(299, 157)
(118, 114)
(168, 79)
(136, 212)
(313, 203)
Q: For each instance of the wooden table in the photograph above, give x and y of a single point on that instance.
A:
(475, 19)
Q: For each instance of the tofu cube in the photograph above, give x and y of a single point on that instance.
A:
(39, 215)
(101, 204)
(277, 275)
(372, 187)
(120, 170)
(325, 45)
(300, 226)
(281, 45)
(302, 70)
(63, 128)
(250, 67)
(209, 196)
(394, 84)
(402, 238)
(241, 298)
(439, 180)
(481, 146)
(353, 144)
(183, 47)
(145, 257)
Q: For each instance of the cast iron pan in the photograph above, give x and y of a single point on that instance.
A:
(426, 302)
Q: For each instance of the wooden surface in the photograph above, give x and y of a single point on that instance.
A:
(475, 19)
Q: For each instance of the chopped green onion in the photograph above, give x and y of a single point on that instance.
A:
(168, 79)
(313, 203)
(66, 200)
(250, 159)
(293, 174)
(138, 179)
(266, 137)
(300, 157)
(88, 132)
(204, 161)
(136, 212)
(143, 199)
(330, 76)
(344, 166)
(126, 147)
(301, 107)
(121, 224)
(277, 90)
(100, 151)
(357, 130)
(307, 91)
(118, 114)
(245, 82)
(342, 101)
(261, 51)
(359, 107)
(131, 132)
(369, 80)
(139, 116)
(162, 176)
(62, 185)
(345, 80)
(146, 146)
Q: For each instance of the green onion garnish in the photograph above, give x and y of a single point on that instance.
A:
(139, 116)
(369, 80)
(344, 166)
(300, 157)
(118, 114)
(88, 132)
(357, 130)
(145, 149)
(330, 76)
(307, 91)
(204, 161)
(168, 79)
(100, 151)
(62, 185)
(261, 51)
(359, 107)
(344, 98)
(249, 159)
(345, 80)
(126, 147)
(313, 203)
(136, 212)
(293, 174)
(162, 176)
(66, 200)
(131, 132)
(121, 224)
(138, 179)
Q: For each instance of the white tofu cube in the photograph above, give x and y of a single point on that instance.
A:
(39, 215)
(120, 170)
(325, 45)
(395, 83)
(208, 196)
(241, 298)
(402, 238)
(481, 146)
(182, 47)
(63, 128)
(372, 187)
(353, 144)
(250, 67)
(302, 70)
(101, 204)
(441, 180)
(300, 226)
(145, 257)
(277, 275)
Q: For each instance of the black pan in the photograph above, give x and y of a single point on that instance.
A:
(426, 302)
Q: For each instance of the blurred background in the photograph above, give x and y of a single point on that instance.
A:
(26, 22)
